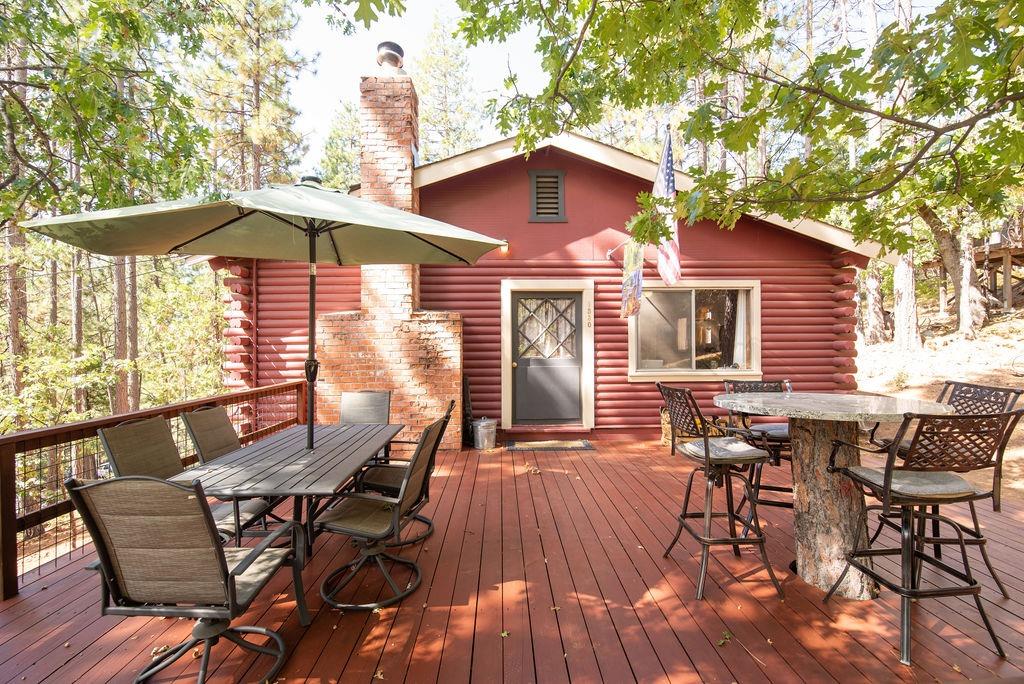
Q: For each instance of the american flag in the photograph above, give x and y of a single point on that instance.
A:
(665, 186)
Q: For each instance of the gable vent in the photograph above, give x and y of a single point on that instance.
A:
(547, 196)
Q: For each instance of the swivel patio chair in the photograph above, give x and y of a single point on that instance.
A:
(966, 399)
(213, 435)
(720, 459)
(160, 556)
(146, 447)
(371, 520)
(386, 478)
(772, 437)
(211, 432)
(940, 449)
(364, 407)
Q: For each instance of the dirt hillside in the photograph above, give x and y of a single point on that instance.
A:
(996, 357)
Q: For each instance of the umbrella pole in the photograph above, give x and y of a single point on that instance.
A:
(312, 366)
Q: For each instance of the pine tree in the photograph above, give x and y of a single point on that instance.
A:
(339, 164)
(242, 93)
(450, 113)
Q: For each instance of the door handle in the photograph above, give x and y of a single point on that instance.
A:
(515, 365)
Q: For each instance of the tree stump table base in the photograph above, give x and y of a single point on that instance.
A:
(827, 507)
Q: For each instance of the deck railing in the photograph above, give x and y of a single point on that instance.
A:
(39, 529)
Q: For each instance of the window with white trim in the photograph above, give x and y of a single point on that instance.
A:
(699, 330)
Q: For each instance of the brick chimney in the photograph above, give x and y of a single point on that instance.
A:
(392, 344)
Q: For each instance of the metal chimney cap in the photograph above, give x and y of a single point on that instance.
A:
(390, 54)
(310, 180)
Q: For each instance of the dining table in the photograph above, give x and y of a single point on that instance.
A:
(827, 506)
(280, 466)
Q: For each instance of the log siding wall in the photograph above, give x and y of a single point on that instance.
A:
(807, 312)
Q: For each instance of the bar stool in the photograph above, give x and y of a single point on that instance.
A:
(720, 459)
(966, 399)
(941, 448)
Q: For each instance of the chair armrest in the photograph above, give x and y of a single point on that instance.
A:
(751, 437)
(389, 464)
(368, 497)
(257, 550)
(875, 440)
(837, 444)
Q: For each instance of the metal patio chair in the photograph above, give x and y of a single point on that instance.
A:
(772, 437)
(720, 459)
(160, 556)
(371, 520)
(939, 450)
(363, 407)
(966, 399)
(213, 436)
(146, 447)
(386, 478)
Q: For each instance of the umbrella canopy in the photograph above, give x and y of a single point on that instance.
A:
(272, 223)
(304, 222)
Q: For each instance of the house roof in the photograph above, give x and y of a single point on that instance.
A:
(631, 164)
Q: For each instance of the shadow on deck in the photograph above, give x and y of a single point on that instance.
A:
(547, 567)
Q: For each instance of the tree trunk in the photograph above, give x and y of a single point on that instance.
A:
(809, 51)
(943, 294)
(952, 245)
(723, 154)
(83, 461)
(875, 329)
(132, 305)
(17, 306)
(54, 293)
(906, 332)
(704, 153)
(120, 394)
(972, 309)
(826, 507)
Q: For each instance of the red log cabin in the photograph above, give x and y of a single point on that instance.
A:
(535, 328)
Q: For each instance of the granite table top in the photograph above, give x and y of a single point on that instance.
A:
(828, 406)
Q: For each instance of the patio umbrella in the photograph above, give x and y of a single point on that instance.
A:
(303, 222)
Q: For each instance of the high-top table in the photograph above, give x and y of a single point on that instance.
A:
(281, 466)
(827, 507)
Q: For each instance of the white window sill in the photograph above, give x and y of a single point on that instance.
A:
(695, 375)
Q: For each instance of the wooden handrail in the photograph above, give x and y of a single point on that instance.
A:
(31, 440)
(43, 437)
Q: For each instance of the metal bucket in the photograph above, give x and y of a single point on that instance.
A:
(485, 433)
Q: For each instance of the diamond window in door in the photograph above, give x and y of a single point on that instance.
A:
(547, 328)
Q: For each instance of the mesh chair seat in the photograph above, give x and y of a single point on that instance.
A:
(776, 431)
(724, 450)
(249, 511)
(385, 480)
(250, 582)
(916, 484)
(361, 517)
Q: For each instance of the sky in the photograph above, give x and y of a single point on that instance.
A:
(340, 60)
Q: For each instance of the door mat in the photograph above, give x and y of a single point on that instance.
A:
(551, 445)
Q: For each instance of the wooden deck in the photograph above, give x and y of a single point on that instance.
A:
(547, 567)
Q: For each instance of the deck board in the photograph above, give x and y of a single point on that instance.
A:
(560, 552)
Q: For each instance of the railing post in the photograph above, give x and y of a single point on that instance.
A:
(8, 523)
(300, 403)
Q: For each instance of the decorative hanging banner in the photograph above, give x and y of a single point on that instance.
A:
(632, 278)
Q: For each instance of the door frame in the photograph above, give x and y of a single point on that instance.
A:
(585, 286)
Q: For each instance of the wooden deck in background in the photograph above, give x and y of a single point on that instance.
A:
(547, 567)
